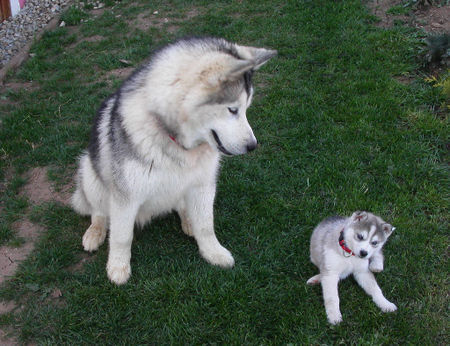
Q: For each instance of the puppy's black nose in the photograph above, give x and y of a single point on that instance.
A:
(363, 253)
(251, 146)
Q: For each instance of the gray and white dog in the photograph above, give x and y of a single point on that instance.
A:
(353, 245)
(156, 144)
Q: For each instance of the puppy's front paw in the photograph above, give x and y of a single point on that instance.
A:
(314, 280)
(118, 274)
(376, 267)
(388, 307)
(218, 256)
(334, 318)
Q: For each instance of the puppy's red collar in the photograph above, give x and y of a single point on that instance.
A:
(172, 138)
(342, 244)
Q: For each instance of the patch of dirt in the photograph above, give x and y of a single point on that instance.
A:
(95, 38)
(379, 9)
(10, 257)
(40, 190)
(7, 341)
(144, 21)
(98, 12)
(121, 73)
(6, 307)
(15, 86)
(432, 19)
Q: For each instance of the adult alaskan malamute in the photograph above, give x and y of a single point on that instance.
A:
(156, 143)
(353, 245)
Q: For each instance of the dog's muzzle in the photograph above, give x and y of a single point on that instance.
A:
(219, 144)
(249, 147)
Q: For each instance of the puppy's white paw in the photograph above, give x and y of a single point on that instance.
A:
(388, 307)
(334, 318)
(314, 280)
(218, 256)
(376, 267)
(118, 274)
(93, 238)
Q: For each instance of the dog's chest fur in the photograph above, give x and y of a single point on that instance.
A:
(162, 187)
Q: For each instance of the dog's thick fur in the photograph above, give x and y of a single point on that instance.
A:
(156, 143)
(363, 234)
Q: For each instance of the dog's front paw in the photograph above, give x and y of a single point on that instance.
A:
(334, 318)
(376, 267)
(118, 274)
(93, 238)
(388, 306)
(218, 256)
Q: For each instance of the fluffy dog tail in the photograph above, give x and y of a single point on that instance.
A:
(79, 201)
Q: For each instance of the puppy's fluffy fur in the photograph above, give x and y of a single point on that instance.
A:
(343, 246)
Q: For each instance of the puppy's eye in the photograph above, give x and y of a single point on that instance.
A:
(374, 243)
(233, 110)
(360, 237)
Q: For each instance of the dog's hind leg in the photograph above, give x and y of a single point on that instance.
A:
(314, 280)
(96, 233)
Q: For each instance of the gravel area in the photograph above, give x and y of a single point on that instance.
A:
(17, 31)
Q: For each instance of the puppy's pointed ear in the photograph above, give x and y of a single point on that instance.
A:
(387, 229)
(258, 55)
(359, 216)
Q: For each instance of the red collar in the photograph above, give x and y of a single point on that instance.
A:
(342, 244)
(173, 138)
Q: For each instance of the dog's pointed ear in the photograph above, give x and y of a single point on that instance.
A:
(359, 216)
(229, 69)
(237, 68)
(387, 229)
(258, 55)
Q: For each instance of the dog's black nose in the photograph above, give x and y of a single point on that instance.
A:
(251, 146)
(363, 253)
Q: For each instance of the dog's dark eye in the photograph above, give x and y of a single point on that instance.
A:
(374, 243)
(233, 110)
(360, 237)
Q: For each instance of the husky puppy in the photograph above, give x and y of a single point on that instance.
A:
(343, 246)
(156, 143)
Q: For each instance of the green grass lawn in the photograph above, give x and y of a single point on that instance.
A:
(337, 131)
